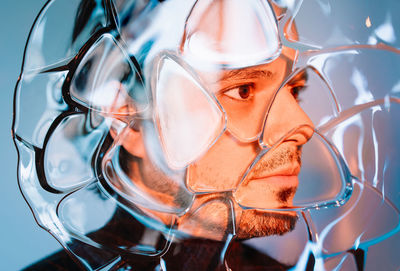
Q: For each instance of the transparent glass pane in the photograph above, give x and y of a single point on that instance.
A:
(383, 254)
(294, 110)
(348, 23)
(140, 179)
(245, 95)
(39, 101)
(107, 81)
(222, 168)
(231, 33)
(181, 134)
(365, 229)
(219, 225)
(324, 179)
(69, 153)
(41, 197)
(365, 142)
(79, 213)
(296, 174)
(189, 118)
(353, 75)
(53, 43)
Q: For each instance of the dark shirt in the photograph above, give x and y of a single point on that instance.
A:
(193, 255)
(123, 230)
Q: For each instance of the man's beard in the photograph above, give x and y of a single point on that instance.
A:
(252, 223)
(213, 220)
(255, 223)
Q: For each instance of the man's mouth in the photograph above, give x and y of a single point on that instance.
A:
(284, 176)
(269, 188)
(284, 185)
(281, 165)
(284, 180)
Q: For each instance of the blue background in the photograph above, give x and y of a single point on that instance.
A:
(21, 241)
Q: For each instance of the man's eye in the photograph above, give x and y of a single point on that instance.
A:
(295, 90)
(244, 92)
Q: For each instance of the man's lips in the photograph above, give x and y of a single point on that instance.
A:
(272, 192)
(286, 175)
(284, 180)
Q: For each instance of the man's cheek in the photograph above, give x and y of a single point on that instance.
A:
(222, 167)
(211, 220)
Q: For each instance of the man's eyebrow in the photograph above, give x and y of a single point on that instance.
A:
(243, 74)
(300, 76)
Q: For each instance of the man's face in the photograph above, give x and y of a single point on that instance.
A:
(252, 167)
(237, 171)
(229, 165)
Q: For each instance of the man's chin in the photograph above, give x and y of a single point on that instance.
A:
(254, 223)
(250, 223)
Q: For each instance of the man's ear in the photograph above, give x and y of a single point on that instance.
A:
(131, 139)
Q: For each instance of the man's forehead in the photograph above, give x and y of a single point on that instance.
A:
(275, 70)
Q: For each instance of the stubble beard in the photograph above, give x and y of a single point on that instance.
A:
(218, 216)
(257, 223)
(254, 223)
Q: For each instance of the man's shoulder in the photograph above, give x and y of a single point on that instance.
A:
(196, 254)
(58, 261)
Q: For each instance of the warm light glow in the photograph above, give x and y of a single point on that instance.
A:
(368, 22)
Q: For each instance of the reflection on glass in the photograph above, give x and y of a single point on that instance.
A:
(164, 128)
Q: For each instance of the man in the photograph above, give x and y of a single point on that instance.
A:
(205, 131)
(234, 167)
(228, 171)
(236, 153)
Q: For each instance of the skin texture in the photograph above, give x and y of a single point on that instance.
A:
(228, 176)
(235, 173)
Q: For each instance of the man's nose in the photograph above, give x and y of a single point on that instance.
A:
(286, 121)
